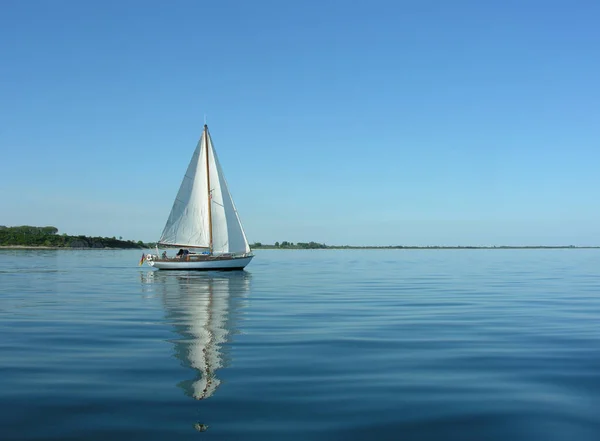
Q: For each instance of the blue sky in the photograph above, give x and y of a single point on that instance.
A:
(380, 122)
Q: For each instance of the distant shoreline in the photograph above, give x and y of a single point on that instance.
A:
(27, 237)
(525, 247)
(47, 238)
(32, 247)
(507, 247)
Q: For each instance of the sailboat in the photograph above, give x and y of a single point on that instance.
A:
(204, 223)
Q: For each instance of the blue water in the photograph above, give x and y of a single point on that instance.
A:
(306, 345)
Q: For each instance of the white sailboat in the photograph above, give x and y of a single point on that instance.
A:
(204, 223)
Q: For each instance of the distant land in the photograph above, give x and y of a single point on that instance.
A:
(47, 237)
(315, 246)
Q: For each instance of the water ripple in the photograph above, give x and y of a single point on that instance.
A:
(394, 344)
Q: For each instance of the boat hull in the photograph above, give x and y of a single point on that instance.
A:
(233, 264)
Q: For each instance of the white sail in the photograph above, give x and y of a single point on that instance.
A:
(187, 224)
(228, 233)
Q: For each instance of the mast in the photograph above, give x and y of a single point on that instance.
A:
(210, 234)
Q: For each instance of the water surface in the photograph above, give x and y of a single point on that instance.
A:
(324, 344)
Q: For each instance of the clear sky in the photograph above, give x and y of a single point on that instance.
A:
(344, 122)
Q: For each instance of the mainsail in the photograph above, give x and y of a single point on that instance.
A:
(191, 222)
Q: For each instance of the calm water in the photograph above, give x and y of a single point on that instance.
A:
(307, 345)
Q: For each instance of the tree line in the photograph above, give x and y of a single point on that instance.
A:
(30, 236)
(316, 245)
(290, 245)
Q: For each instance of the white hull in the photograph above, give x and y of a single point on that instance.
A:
(236, 263)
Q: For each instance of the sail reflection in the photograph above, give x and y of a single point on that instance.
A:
(204, 310)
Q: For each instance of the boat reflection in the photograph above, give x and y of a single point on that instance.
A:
(204, 309)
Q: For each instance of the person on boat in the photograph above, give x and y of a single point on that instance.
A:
(183, 254)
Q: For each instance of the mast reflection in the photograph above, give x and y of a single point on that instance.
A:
(204, 310)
